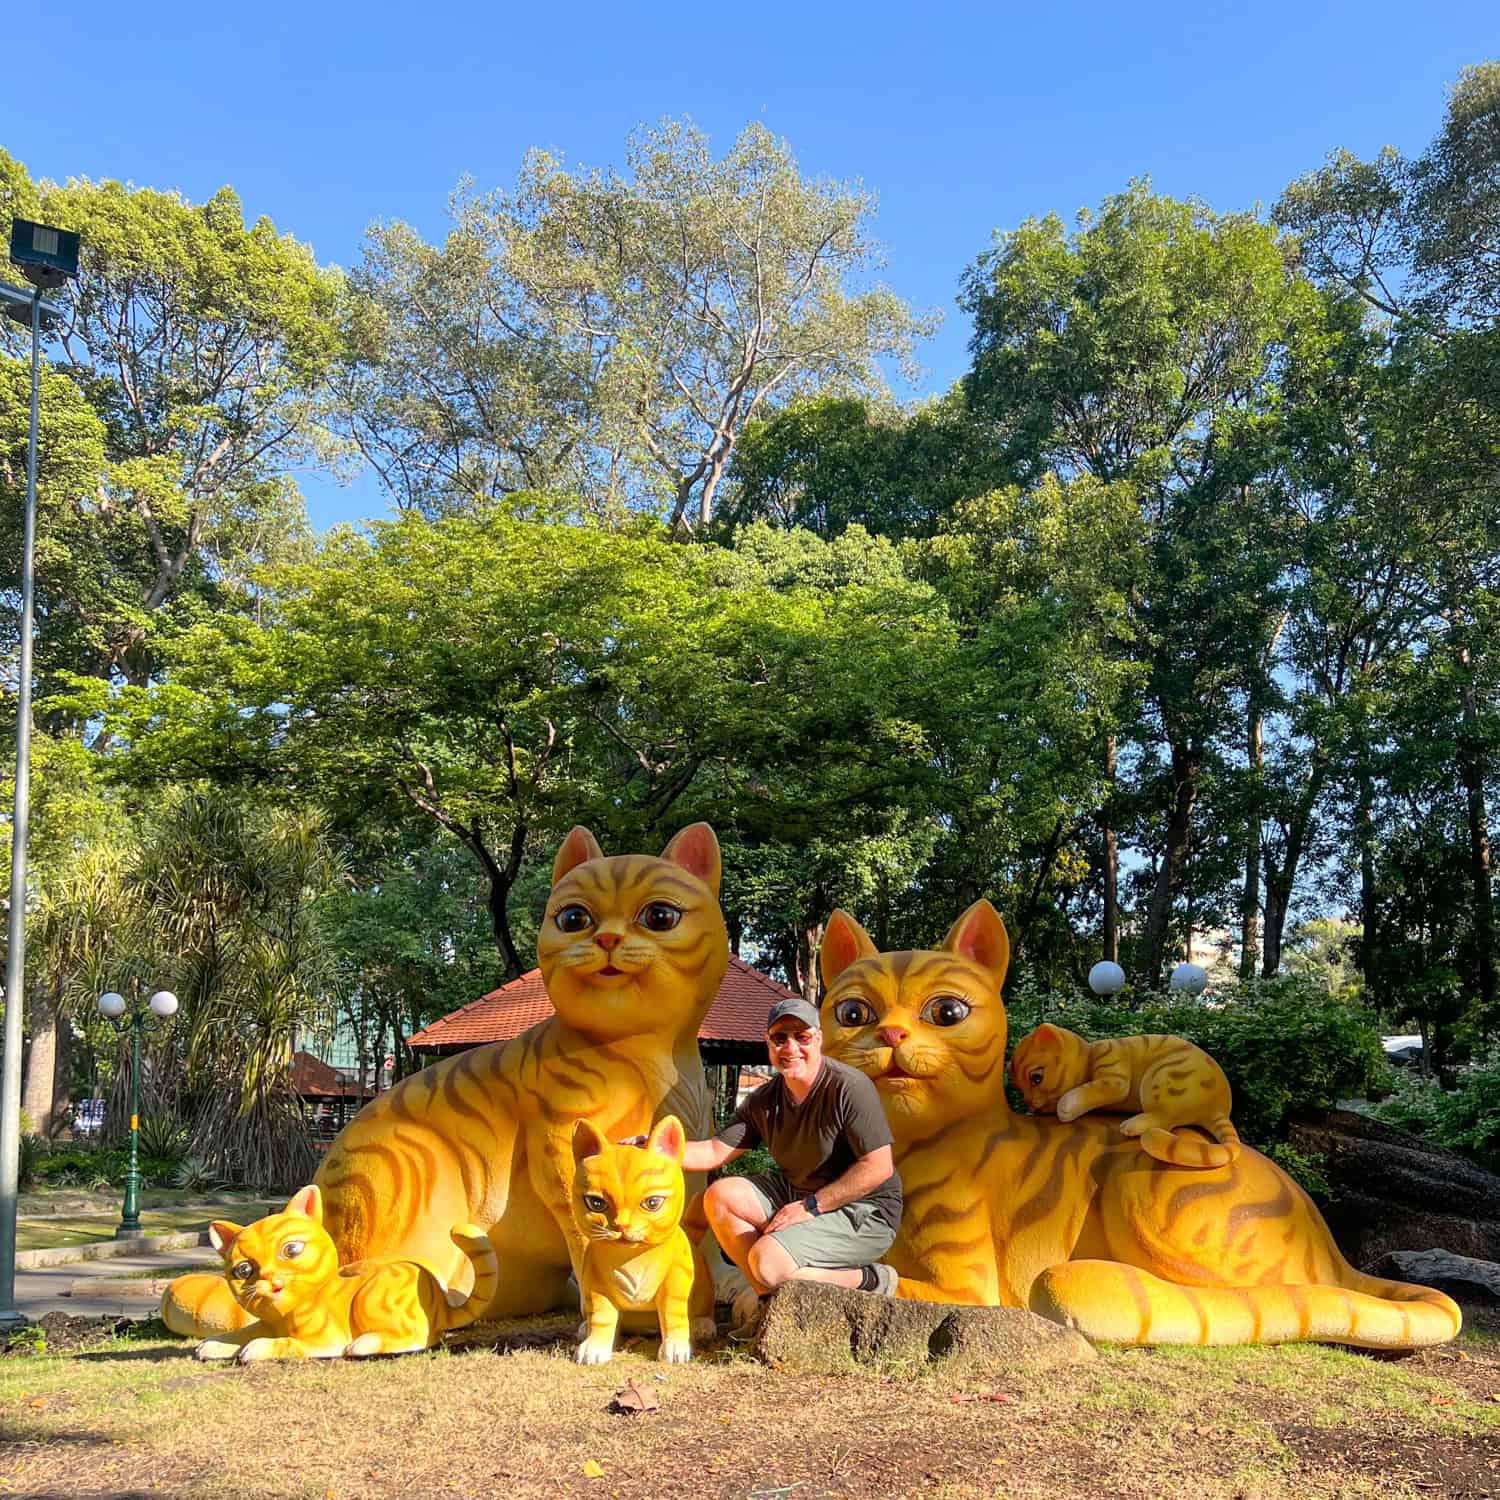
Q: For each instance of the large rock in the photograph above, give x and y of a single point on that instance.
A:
(1392, 1191)
(823, 1330)
(1470, 1282)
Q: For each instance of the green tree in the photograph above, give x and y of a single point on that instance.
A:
(198, 344)
(834, 461)
(610, 336)
(506, 679)
(1141, 350)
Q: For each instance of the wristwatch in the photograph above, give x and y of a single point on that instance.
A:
(810, 1203)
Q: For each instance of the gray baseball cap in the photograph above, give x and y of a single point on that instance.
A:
(799, 1010)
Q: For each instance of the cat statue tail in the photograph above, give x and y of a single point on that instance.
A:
(1188, 1150)
(465, 1309)
(1104, 1299)
(200, 1305)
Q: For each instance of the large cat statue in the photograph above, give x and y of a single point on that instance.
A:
(632, 951)
(1072, 1219)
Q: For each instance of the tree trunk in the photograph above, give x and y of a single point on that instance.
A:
(1111, 870)
(1250, 896)
(41, 1064)
(1364, 832)
(62, 1079)
(500, 925)
(1186, 764)
(1281, 882)
(1472, 772)
(809, 980)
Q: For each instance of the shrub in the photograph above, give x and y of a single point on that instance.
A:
(756, 1159)
(1465, 1119)
(33, 1154)
(1284, 1044)
(164, 1137)
(194, 1173)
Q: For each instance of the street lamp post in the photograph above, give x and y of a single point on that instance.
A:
(46, 257)
(114, 1005)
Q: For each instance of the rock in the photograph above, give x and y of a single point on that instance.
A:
(1392, 1191)
(823, 1330)
(1470, 1282)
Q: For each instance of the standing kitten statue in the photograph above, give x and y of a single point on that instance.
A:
(627, 1204)
(1163, 1082)
(1070, 1219)
(632, 950)
(284, 1271)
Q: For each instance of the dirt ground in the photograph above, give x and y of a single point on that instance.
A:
(119, 1410)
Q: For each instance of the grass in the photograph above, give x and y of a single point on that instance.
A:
(513, 1415)
(88, 1229)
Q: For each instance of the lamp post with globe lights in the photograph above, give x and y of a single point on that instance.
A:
(113, 1006)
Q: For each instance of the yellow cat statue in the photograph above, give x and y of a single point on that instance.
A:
(632, 951)
(1161, 1082)
(1070, 1218)
(628, 1203)
(283, 1270)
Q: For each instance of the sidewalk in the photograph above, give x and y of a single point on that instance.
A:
(46, 1289)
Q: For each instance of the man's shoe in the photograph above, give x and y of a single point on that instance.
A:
(885, 1280)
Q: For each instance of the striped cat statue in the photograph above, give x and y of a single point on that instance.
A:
(632, 950)
(1071, 1218)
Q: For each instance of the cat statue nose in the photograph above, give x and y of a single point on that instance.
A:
(609, 941)
(892, 1036)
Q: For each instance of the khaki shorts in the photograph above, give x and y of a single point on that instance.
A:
(854, 1235)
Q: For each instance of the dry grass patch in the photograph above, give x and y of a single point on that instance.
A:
(513, 1416)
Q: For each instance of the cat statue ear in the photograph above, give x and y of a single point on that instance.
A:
(221, 1235)
(578, 848)
(844, 942)
(669, 1138)
(308, 1202)
(586, 1141)
(1047, 1032)
(696, 850)
(979, 936)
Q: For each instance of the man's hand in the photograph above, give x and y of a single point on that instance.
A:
(784, 1218)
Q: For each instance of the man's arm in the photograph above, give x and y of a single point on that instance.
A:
(863, 1176)
(704, 1156)
(698, 1156)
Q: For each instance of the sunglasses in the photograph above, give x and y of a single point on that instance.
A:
(782, 1038)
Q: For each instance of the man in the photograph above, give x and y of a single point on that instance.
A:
(831, 1208)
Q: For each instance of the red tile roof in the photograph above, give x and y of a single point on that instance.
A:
(312, 1078)
(738, 1013)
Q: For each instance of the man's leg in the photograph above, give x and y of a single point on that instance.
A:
(771, 1264)
(841, 1248)
(738, 1215)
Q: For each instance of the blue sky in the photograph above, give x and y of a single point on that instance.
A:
(964, 119)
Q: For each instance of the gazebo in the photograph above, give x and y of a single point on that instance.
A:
(331, 1097)
(733, 1033)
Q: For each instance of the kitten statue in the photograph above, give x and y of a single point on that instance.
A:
(1163, 1082)
(627, 1204)
(284, 1271)
(632, 949)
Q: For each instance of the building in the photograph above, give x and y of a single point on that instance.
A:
(333, 1096)
(732, 1036)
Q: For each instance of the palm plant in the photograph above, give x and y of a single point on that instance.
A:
(233, 894)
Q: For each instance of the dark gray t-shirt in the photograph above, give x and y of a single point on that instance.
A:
(817, 1141)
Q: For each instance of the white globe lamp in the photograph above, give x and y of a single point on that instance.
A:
(1191, 979)
(112, 1005)
(1106, 978)
(163, 1003)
